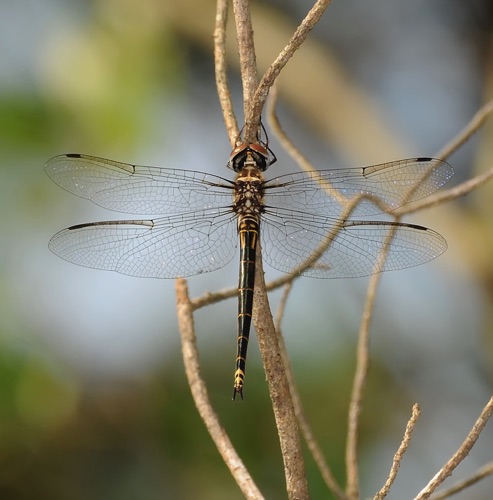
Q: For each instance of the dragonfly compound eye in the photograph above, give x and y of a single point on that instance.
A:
(239, 155)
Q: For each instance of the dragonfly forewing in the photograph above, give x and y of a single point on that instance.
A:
(329, 192)
(137, 189)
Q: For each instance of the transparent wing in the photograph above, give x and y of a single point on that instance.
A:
(394, 183)
(168, 247)
(290, 237)
(135, 189)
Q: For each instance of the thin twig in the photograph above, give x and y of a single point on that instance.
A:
(459, 455)
(466, 187)
(209, 298)
(286, 142)
(469, 130)
(303, 423)
(282, 307)
(201, 398)
(220, 67)
(361, 371)
(287, 428)
(445, 196)
(359, 382)
(400, 453)
(275, 68)
(248, 65)
(298, 156)
(485, 471)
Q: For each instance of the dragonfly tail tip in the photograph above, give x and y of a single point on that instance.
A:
(237, 390)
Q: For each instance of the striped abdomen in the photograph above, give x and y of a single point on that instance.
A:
(248, 231)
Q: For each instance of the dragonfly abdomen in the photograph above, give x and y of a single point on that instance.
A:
(248, 232)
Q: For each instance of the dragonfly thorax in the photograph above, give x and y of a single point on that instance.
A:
(249, 191)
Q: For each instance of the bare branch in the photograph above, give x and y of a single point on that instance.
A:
(406, 441)
(296, 154)
(445, 196)
(459, 455)
(200, 396)
(485, 471)
(282, 308)
(275, 68)
(220, 67)
(209, 298)
(466, 187)
(287, 429)
(359, 382)
(361, 374)
(248, 65)
(305, 427)
(283, 138)
(469, 130)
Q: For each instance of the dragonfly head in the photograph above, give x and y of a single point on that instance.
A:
(260, 154)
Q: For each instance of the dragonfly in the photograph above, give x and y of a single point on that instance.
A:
(195, 220)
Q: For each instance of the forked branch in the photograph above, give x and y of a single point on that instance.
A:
(459, 455)
(483, 472)
(201, 398)
(282, 59)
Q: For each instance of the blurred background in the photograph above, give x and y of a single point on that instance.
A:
(94, 401)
